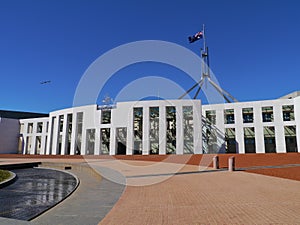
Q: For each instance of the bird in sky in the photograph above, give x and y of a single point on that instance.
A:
(45, 82)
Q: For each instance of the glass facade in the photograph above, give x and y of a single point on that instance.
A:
(79, 122)
(137, 130)
(288, 113)
(154, 130)
(269, 139)
(249, 139)
(105, 116)
(171, 129)
(267, 114)
(121, 140)
(104, 141)
(188, 130)
(229, 116)
(290, 138)
(211, 116)
(90, 141)
(230, 141)
(248, 115)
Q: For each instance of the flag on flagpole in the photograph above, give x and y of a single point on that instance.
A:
(196, 37)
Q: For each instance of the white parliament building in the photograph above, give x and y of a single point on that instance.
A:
(166, 127)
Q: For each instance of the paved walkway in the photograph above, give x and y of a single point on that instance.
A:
(154, 195)
(88, 205)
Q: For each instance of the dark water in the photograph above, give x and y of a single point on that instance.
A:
(33, 192)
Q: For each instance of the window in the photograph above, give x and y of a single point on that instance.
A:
(267, 114)
(171, 129)
(230, 142)
(78, 140)
(39, 127)
(61, 123)
(290, 138)
(211, 116)
(229, 116)
(188, 130)
(90, 141)
(105, 116)
(138, 130)
(154, 129)
(30, 128)
(269, 139)
(105, 141)
(248, 115)
(288, 112)
(249, 139)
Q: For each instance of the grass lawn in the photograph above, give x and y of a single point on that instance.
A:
(4, 175)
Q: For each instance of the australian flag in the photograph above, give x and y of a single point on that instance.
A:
(196, 37)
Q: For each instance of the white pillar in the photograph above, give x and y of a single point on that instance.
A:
(64, 134)
(73, 134)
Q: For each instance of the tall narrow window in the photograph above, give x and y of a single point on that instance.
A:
(121, 140)
(38, 145)
(105, 141)
(211, 116)
(30, 128)
(267, 114)
(79, 122)
(188, 130)
(171, 129)
(230, 141)
(288, 112)
(229, 116)
(138, 130)
(248, 115)
(69, 133)
(269, 139)
(106, 116)
(39, 127)
(154, 130)
(90, 141)
(249, 140)
(290, 138)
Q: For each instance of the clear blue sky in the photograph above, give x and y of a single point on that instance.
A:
(254, 45)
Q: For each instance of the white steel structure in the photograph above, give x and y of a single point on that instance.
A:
(167, 127)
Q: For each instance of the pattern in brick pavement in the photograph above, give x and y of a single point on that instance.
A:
(210, 198)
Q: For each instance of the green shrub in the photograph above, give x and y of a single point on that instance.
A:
(4, 175)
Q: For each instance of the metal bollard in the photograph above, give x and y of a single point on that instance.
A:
(231, 164)
(216, 162)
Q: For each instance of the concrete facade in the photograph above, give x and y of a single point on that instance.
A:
(167, 127)
(9, 135)
(84, 130)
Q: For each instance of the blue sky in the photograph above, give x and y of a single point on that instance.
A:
(254, 45)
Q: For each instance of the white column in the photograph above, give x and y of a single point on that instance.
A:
(64, 135)
(55, 135)
(162, 130)
(73, 134)
(280, 139)
(112, 146)
(97, 141)
(50, 135)
(146, 143)
(258, 129)
(239, 130)
(33, 139)
(129, 140)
